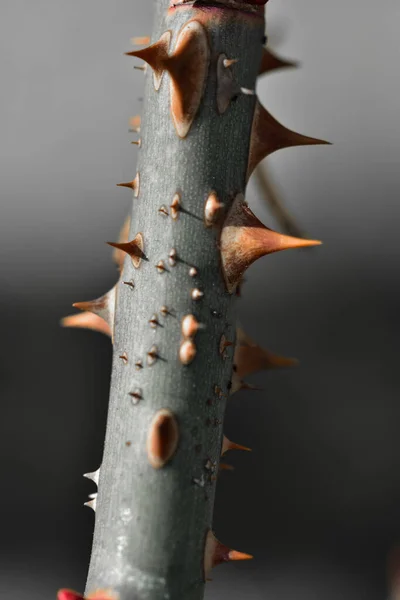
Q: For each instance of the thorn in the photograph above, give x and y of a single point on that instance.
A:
(162, 439)
(91, 504)
(137, 143)
(134, 249)
(224, 344)
(163, 210)
(212, 210)
(197, 294)
(217, 553)
(118, 255)
(87, 320)
(103, 307)
(228, 445)
(244, 239)
(154, 323)
(144, 69)
(124, 358)
(247, 92)
(193, 272)
(130, 284)
(133, 185)
(268, 136)
(227, 88)
(172, 257)
(160, 266)
(190, 326)
(164, 310)
(251, 358)
(238, 384)
(138, 365)
(156, 57)
(140, 41)
(152, 355)
(271, 62)
(135, 123)
(187, 352)
(229, 62)
(93, 476)
(226, 467)
(175, 206)
(136, 396)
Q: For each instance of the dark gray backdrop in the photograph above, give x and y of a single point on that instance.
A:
(318, 500)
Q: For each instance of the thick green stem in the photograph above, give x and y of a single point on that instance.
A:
(152, 523)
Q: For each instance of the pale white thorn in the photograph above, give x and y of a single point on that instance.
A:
(93, 496)
(228, 62)
(93, 476)
(91, 504)
(247, 92)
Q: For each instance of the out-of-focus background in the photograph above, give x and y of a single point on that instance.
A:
(318, 500)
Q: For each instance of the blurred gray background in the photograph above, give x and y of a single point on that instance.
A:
(318, 501)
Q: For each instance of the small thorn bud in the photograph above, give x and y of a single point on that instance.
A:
(187, 352)
(124, 358)
(175, 207)
(136, 396)
(137, 143)
(193, 272)
(160, 266)
(138, 365)
(172, 257)
(163, 210)
(164, 310)
(212, 210)
(197, 294)
(190, 326)
(152, 355)
(154, 323)
(229, 62)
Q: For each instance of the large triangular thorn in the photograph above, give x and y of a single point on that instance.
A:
(103, 307)
(93, 476)
(251, 358)
(217, 553)
(228, 445)
(156, 56)
(244, 239)
(272, 62)
(134, 249)
(87, 320)
(268, 136)
(133, 185)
